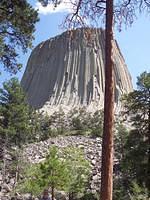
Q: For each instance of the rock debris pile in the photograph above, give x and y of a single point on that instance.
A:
(36, 153)
(91, 147)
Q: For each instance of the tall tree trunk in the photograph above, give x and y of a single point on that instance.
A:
(107, 144)
(52, 192)
(71, 196)
(148, 164)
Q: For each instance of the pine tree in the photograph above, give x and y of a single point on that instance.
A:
(14, 113)
(53, 172)
(136, 161)
(63, 169)
(78, 171)
(17, 25)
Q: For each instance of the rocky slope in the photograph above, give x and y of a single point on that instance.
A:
(91, 147)
(68, 71)
(35, 153)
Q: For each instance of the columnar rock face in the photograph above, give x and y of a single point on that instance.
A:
(68, 71)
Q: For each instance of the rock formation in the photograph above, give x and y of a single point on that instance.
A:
(68, 71)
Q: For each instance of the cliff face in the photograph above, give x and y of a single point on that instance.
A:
(68, 70)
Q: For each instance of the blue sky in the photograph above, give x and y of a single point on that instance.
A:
(134, 41)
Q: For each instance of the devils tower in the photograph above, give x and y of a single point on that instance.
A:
(68, 71)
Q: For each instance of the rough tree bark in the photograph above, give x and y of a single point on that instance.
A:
(52, 192)
(107, 144)
(148, 170)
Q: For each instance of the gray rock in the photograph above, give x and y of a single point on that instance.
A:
(7, 157)
(93, 162)
(5, 197)
(6, 188)
(95, 178)
(12, 181)
(1, 177)
(69, 72)
(60, 195)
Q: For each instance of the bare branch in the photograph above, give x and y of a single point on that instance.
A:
(127, 3)
(91, 12)
(147, 2)
(100, 2)
(77, 10)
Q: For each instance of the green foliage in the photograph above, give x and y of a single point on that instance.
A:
(119, 191)
(134, 159)
(34, 125)
(121, 183)
(17, 25)
(78, 170)
(137, 105)
(58, 122)
(138, 193)
(62, 169)
(96, 123)
(76, 122)
(84, 122)
(15, 113)
(14, 168)
(44, 129)
(18, 164)
(50, 126)
(135, 193)
(121, 137)
(79, 120)
(31, 182)
(54, 172)
(89, 196)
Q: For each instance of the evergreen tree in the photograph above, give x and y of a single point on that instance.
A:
(44, 126)
(31, 182)
(58, 121)
(79, 120)
(64, 169)
(136, 160)
(53, 172)
(120, 191)
(96, 123)
(17, 25)
(78, 171)
(14, 113)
